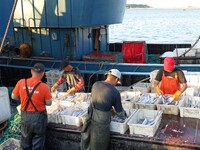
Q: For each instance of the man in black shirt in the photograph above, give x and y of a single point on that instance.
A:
(104, 96)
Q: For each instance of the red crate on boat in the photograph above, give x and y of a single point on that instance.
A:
(134, 52)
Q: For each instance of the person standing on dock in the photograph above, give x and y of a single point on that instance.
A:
(34, 95)
(72, 77)
(173, 80)
(95, 134)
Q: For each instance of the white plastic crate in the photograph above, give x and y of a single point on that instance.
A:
(52, 80)
(5, 110)
(129, 95)
(67, 118)
(138, 105)
(191, 91)
(152, 77)
(169, 109)
(122, 127)
(11, 144)
(55, 109)
(142, 87)
(128, 98)
(53, 73)
(145, 130)
(190, 107)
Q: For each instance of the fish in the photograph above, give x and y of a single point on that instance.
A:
(145, 121)
(192, 103)
(147, 99)
(167, 100)
(115, 118)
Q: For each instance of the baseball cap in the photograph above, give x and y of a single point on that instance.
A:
(63, 64)
(116, 73)
(38, 67)
(169, 64)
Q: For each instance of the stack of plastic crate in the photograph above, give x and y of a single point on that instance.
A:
(52, 76)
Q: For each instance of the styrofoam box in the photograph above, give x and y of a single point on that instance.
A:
(169, 109)
(122, 127)
(9, 142)
(73, 120)
(146, 106)
(128, 97)
(189, 111)
(145, 130)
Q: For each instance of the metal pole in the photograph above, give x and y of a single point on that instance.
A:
(8, 26)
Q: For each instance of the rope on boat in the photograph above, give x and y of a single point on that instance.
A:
(13, 128)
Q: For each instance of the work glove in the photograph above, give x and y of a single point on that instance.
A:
(158, 90)
(54, 87)
(71, 91)
(176, 95)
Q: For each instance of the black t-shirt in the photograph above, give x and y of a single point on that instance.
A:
(180, 74)
(104, 96)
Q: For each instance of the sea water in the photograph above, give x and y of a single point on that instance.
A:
(157, 26)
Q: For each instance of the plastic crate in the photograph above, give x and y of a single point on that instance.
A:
(5, 110)
(169, 109)
(142, 87)
(11, 144)
(187, 107)
(67, 118)
(128, 98)
(145, 130)
(191, 91)
(53, 74)
(141, 105)
(122, 127)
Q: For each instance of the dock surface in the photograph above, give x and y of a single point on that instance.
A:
(174, 132)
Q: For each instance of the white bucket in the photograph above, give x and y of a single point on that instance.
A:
(5, 111)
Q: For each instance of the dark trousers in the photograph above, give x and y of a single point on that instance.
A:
(33, 130)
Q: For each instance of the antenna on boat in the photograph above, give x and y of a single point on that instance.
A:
(191, 47)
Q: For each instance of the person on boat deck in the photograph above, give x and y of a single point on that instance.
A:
(34, 95)
(72, 77)
(173, 80)
(95, 134)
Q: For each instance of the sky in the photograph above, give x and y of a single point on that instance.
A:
(167, 3)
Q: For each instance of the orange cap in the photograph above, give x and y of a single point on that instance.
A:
(169, 64)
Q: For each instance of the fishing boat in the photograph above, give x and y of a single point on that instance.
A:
(48, 32)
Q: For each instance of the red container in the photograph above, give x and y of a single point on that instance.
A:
(134, 52)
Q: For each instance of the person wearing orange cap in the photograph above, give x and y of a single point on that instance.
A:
(72, 76)
(173, 80)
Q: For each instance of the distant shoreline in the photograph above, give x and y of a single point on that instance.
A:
(183, 8)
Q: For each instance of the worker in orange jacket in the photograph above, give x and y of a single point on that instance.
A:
(172, 80)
